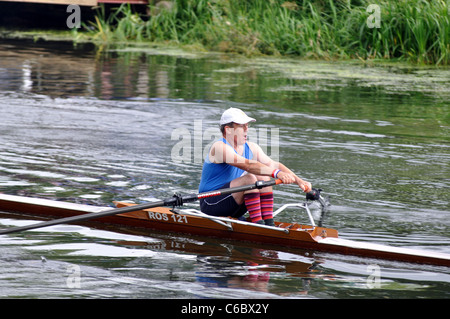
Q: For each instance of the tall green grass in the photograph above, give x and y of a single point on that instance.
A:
(412, 30)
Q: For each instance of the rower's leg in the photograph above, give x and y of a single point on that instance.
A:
(250, 198)
(246, 179)
(259, 202)
(264, 178)
(253, 204)
(266, 200)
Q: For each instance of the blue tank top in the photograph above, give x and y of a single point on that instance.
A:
(215, 176)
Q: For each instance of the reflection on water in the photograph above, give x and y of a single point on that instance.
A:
(218, 265)
(93, 127)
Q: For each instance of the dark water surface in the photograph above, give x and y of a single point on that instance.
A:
(89, 126)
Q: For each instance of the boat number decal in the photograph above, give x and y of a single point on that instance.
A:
(165, 217)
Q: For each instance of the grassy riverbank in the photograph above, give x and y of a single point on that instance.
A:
(416, 31)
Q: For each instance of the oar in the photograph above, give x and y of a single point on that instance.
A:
(176, 200)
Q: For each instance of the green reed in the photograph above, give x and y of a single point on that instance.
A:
(414, 30)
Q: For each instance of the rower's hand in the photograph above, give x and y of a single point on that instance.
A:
(289, 178)
(304, 185)
(286, 178)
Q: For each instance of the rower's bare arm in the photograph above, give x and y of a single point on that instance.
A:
(222, 153)
(285, 174)
(261, 165)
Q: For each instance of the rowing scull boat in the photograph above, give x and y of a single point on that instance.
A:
(190, 221)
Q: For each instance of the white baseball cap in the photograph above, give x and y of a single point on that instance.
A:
(235, 115)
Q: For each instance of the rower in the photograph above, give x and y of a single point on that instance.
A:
(233, 162)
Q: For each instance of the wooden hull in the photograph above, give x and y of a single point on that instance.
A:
(284, 235)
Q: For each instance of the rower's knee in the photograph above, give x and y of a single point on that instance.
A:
(250, 179)
(263, 178)
(265, 189)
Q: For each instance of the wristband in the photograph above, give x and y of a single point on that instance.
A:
(275, 173)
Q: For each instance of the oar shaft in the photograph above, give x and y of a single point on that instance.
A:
(79, 218)
(176, 200)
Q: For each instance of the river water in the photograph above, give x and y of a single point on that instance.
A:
(92, 126)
